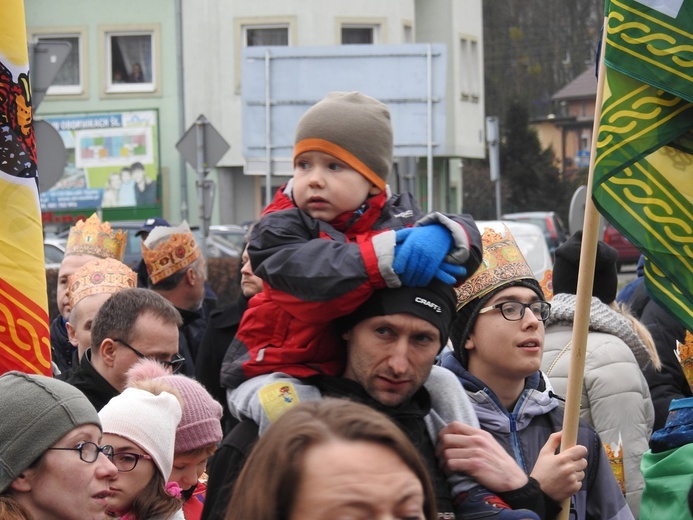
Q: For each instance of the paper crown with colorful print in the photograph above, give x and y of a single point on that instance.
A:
(503, 262)
(167, 250)
(103, 275)
(93, 237)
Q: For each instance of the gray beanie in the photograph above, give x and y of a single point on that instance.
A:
(37, 411)
(352, 127)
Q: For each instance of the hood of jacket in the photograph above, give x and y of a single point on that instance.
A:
(537, 398)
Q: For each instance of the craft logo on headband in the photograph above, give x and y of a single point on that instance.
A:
(503, 262)
(167, 250)
(93, 237)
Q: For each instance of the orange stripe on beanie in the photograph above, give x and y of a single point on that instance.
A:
(352, 127)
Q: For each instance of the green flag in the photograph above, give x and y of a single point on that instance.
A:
(643, 176)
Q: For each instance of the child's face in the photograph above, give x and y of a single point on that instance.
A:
(325, 187)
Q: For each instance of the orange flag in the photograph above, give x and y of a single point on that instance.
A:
(24, 336)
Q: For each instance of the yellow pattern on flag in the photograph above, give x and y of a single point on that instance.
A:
(24, 336)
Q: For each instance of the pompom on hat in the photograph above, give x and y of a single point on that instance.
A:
(98, 277)
(37, 411)
(200, 425)
(93, 237)
(565, 269)
(354, 128)
(503, 266)
(146, 419)
(167, 250)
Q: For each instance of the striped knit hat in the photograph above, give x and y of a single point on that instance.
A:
(352, 127)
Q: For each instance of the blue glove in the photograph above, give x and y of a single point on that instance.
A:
(450, 273)
(419, 251)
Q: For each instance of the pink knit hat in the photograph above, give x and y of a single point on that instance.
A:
(200, 425)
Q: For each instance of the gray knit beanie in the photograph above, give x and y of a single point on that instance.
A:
(37, 411)
(352, 127)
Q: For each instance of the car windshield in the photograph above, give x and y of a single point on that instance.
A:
(533, 248)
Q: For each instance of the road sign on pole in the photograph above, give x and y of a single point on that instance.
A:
(202, 146)
(45, 58)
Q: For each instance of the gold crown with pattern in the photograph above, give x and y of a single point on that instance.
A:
(93, 237)
(502, 262)
(167, 250)
(103, 275)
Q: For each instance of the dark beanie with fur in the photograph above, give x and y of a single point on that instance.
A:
(352, 127)
(565, 269)
(434, 303)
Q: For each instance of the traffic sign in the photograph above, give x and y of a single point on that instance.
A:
(202, 138)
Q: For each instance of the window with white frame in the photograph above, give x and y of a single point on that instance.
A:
(69, 77)
(258, 35)
(359, 34)
(131, 62)
(469, 69)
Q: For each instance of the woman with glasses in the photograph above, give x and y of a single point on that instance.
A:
(141, 424)
(53, 465)
(498, 341)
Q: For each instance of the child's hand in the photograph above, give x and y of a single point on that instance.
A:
(419, 253)
(458, 252)
(449, 273)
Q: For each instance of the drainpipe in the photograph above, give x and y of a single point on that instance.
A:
(181, 110)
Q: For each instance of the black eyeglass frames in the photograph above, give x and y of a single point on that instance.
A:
(175, 364)
(89, 451)
(515, 311)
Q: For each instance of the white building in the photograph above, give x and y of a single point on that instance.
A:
(214, 33)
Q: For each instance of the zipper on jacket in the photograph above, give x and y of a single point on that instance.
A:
(514, 441)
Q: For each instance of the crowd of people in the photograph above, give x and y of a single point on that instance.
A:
(380, 362)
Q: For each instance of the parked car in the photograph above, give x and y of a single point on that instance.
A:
(226, 240)
(53, 251)
(627, 252)
(530, 240)
(550, 223)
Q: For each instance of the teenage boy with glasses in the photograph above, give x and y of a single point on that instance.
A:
(132, 324)
(497, 356)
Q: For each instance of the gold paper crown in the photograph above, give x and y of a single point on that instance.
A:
(103, 275)
(168, 256)
(503, 262)
(93, 237)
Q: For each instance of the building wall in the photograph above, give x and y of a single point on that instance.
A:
(91, 19)
(459, 25)
(213, 38)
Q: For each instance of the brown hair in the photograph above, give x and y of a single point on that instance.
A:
(641, 331)
(154, 500)
(10, 509)
(117, 317)
(268, 483)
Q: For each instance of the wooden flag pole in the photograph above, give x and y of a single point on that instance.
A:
(590, 230)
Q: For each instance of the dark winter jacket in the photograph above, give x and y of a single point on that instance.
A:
(524, 431)
(91, 383)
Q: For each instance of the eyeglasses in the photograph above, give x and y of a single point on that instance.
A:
(89, 451)
(127, 461)
(175, 364)
(515, 311)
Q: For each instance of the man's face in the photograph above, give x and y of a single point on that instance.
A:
(250, 284)
(391, 356)
(68, 266)
(81, 319)
(199, 286)
(138, 174)
(153, 338)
